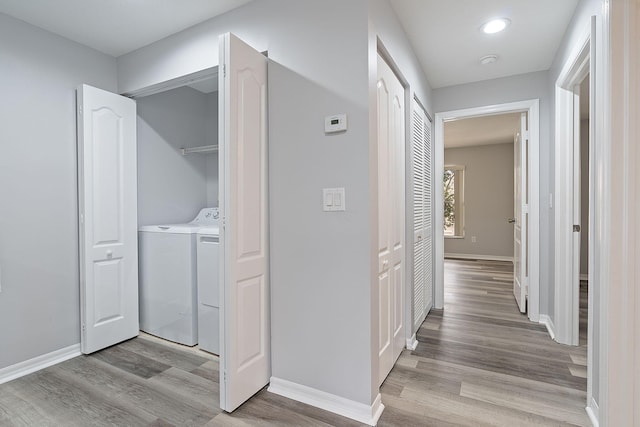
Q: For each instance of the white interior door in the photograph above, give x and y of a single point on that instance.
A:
(577, 218)
(391, 211)
(422, 215)
(245, 364)
(521, 214)
(107, 203)
(428, 215)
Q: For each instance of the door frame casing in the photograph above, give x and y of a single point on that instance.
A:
(532, 107)
(567, 137)
(617, 245)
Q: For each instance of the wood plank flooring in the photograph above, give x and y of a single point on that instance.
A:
(479, 362)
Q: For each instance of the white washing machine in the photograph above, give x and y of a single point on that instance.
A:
(208, 246)
(168, 287)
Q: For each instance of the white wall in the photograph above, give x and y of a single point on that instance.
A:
(488, 200)
(39, 301)
(511, 89)
(172, 188)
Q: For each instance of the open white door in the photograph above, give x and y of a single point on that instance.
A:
(577, 218)
(245, 363)
(391, 217)
(108, 219)
(521, 214)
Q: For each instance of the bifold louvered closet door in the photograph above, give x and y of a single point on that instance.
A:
(422, 215)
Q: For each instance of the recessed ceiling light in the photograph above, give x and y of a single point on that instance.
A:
(495, 26)
(488, 59)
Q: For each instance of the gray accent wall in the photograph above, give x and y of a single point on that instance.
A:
(488, 200)
(172, 188)
(512, 89)
(40, 296)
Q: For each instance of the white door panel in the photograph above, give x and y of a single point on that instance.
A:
(391, 215)
(245, 364)
(421, 192)
(521, 215)
(107, 189)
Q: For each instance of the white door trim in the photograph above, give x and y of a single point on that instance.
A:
(533, 108)
(567, 137)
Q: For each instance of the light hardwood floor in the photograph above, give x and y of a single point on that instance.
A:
(479, 362)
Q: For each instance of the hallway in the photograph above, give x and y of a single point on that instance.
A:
(481, 362)
(478, 363)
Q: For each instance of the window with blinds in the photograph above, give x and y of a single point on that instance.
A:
(422, 160)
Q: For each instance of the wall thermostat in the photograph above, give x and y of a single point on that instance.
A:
(337, 123)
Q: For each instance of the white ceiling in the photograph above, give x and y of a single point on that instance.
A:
(445, 33)
(486, 130)
(447, 38)
(116, 27)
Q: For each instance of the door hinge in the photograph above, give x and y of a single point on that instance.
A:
(576, 228)
(84, 328)
(224, 70)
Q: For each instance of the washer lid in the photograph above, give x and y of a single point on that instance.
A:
(170, 228)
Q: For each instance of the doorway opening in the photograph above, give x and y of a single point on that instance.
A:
(483, 221)
(226, 245)
(576, 265)
(178, 213)
(527, 115)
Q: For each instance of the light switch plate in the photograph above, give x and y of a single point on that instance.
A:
(333, 199)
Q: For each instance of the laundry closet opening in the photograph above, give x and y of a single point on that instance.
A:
(178, 217)
(167, 190)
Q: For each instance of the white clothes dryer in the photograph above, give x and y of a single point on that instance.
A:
(168, 278)
(208, 247)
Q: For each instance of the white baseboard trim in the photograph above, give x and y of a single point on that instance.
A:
(37, 363)
(412, 343)
(593, 411)
(480, 257)
(546, 321)
(368, 414)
